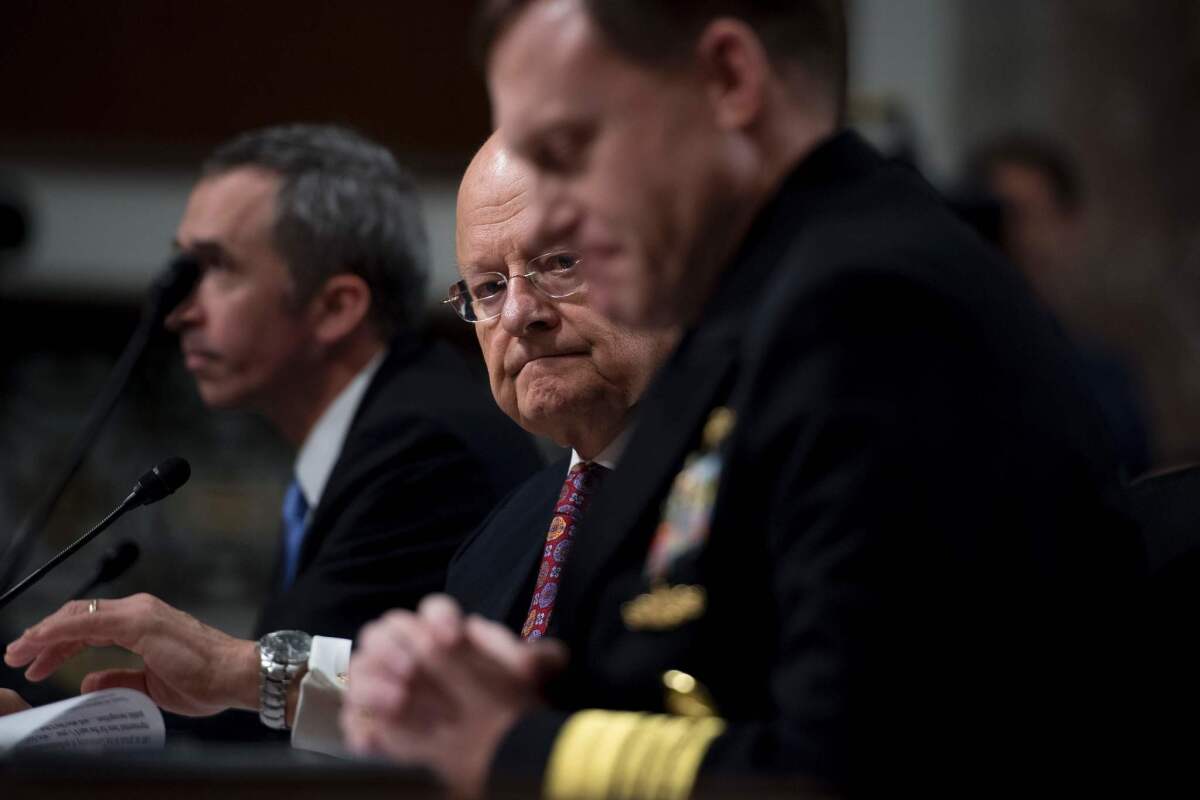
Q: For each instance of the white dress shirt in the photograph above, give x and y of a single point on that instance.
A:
(315, 726)
(323, 445)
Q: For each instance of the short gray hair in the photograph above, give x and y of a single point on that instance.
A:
(657, 32)
(344, 206)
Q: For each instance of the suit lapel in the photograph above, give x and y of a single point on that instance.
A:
(348, 465)
(504, 560)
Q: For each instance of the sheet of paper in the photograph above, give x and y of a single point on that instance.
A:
(114, 719)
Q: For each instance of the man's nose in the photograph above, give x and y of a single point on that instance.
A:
(526, 309)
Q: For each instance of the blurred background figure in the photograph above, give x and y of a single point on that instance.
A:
(1033, 190)
(1041, 202)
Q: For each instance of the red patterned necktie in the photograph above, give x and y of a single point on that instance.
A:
(582, 482)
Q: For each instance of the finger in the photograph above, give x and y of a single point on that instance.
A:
(382, 671)
(400, 669)
(355, 722)
(367, 733)
(11, 702)
(414, 704)
(385, 650)
(48, 661)
(19, 656)
(494, 639)
(443, 618)
(461, 677)
(405, 739)
(408, 634)
(115, 679)
(377, 631)
(530, 663)
(550, 657)
(383, 695)
(108, 625)
(354, 734)
(417, 702)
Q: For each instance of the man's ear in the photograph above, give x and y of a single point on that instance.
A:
(736, 72)
(339, 307)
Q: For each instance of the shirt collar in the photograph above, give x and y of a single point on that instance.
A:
(323, 445)
(610, 455)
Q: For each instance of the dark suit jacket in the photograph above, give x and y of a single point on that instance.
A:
(494, 572)
(915, 542)
(427, 457)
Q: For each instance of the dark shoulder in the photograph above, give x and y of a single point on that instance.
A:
(882, 289)
(426, 401)
(882, 245)
(532, 500)
(427, 377)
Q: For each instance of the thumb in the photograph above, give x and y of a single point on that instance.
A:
(549, 656)
(534, 661)
(115, 679)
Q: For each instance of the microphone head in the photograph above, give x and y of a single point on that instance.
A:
(117, 560)
(161, 481)
(174, 285)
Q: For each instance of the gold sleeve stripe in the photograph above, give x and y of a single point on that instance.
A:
(622, 754)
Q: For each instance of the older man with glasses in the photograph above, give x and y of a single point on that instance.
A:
(558, 368)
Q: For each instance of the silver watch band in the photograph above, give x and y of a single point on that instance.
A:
(277, 676)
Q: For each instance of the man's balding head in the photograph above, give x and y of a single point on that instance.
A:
(556, 366)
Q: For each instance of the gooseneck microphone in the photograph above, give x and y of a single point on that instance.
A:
(167, 291)
(153, 486)
(157, 483)
(116, 562)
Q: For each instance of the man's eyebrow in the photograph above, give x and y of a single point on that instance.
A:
(204, 249)
(475, 268)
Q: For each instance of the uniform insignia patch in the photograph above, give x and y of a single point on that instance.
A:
(664, 607)
(688, 507)
(684, 527)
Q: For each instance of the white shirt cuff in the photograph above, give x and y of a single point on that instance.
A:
(316, 724)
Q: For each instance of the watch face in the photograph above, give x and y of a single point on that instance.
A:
(286, 647)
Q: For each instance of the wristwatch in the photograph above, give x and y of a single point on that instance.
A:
(283, 656)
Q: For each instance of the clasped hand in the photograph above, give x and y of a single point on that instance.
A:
(440, 689)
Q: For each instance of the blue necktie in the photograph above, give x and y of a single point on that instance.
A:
(295, 514)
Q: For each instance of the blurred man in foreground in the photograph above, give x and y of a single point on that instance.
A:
(862, 536)
(556, 366)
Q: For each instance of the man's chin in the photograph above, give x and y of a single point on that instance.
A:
(220, 397)
(547, 406)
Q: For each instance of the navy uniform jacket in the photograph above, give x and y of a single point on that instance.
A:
(427, 456)
(891, 557)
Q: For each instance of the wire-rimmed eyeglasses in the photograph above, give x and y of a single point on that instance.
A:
(480, 297)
